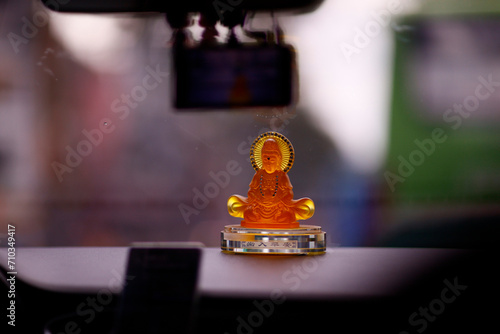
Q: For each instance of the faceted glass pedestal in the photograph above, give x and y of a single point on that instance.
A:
(304, 240)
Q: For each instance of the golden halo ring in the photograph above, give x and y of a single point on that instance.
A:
(285, 146)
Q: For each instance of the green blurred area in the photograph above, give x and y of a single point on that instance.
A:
(442, 55)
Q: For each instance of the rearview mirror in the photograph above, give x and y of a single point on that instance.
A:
(107, 6)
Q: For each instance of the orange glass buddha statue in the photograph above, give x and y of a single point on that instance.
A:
(270, 202)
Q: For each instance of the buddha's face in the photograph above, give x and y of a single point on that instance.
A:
(271, 156)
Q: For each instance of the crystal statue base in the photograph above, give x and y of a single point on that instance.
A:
(305, 240)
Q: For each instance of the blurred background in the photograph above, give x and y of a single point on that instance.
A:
(396, 131)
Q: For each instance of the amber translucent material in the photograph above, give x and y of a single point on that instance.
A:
(270, 202)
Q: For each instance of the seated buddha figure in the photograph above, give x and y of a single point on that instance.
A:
(270, 202)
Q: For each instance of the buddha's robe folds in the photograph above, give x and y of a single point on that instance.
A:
(270, 203)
